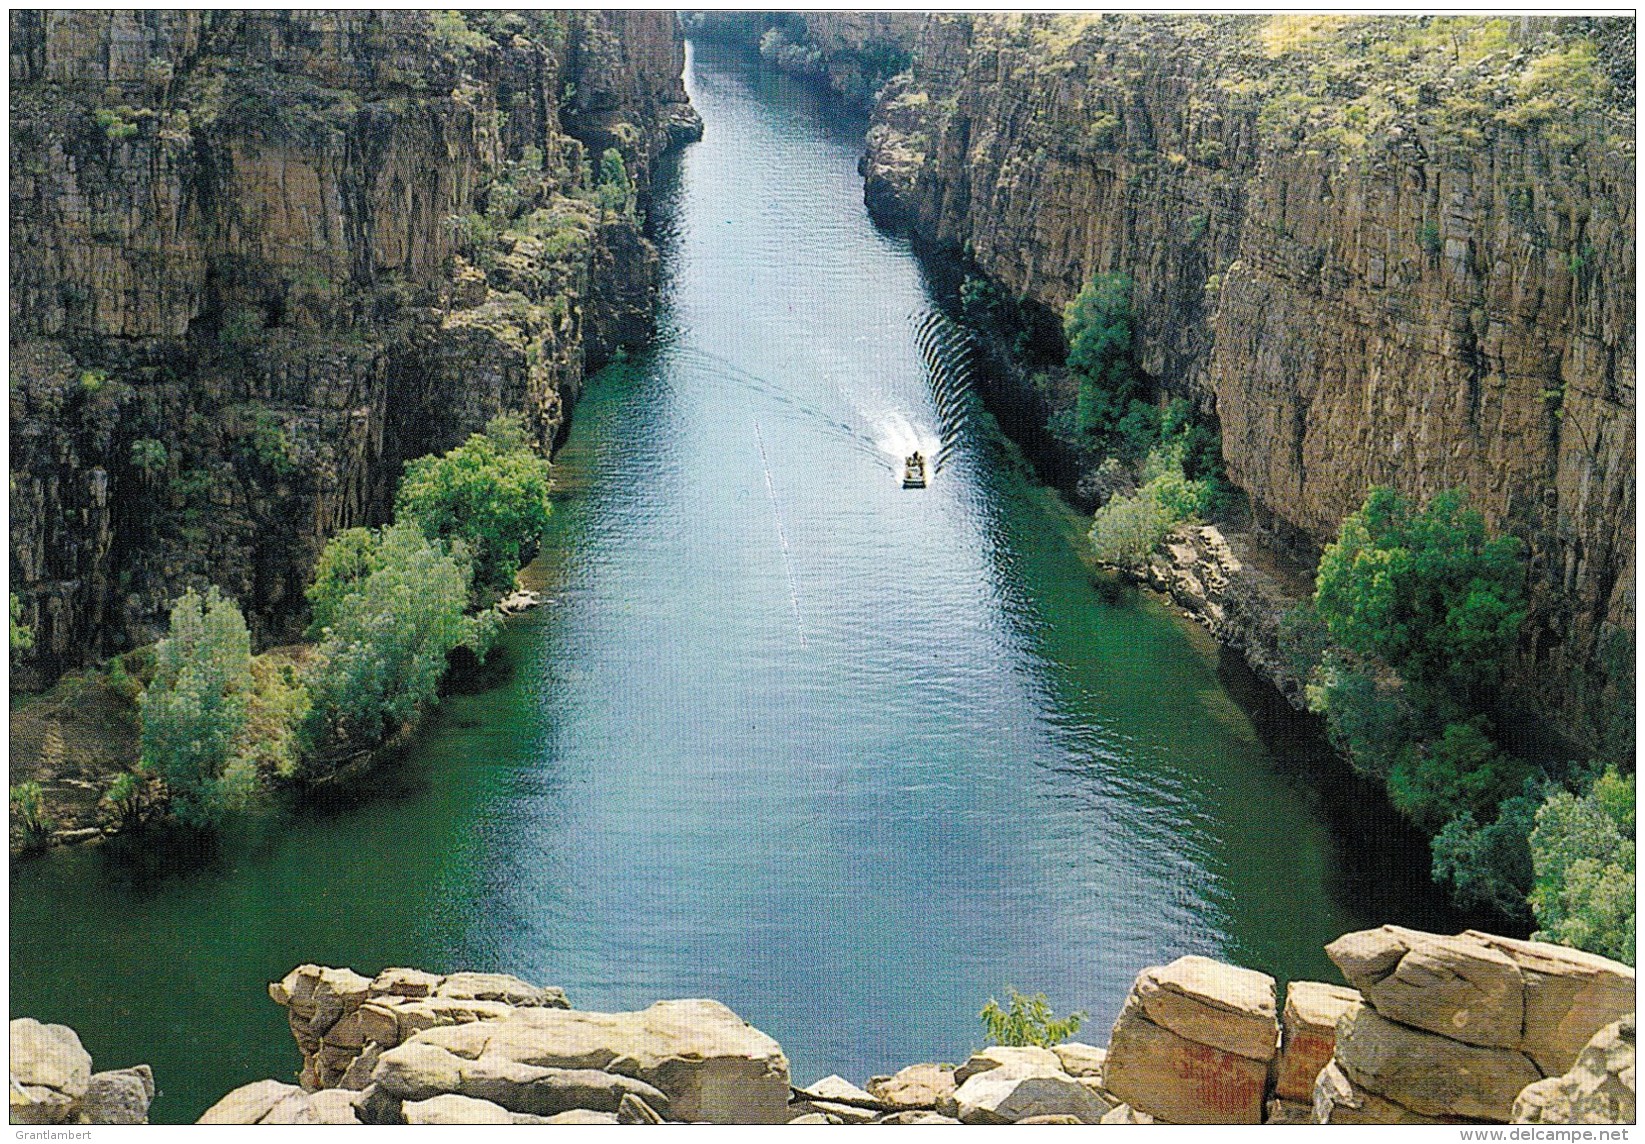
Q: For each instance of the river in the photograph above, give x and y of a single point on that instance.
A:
(849, 758)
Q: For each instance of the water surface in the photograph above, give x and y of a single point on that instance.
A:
(847, 757)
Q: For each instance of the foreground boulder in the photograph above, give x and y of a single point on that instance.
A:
(51, 1081)
(1599, 1088)
(1193, 1043)
(1308, 1037)
(1429, 1074)
(342, 1020)
(1543, 1000)
(923, 1087)
(1005, 1096)
(689, 1060)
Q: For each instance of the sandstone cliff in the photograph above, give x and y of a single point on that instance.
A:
(261, 259)
(1379, 251)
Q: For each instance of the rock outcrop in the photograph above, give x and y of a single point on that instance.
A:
(1453, 1029)
(1377, 250)
(261, 259)
(51, 1081)
(1198, 1041)
(1193, 1043)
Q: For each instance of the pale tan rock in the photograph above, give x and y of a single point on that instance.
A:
(1080, 1060)
(358, 1073)
(1024, 1060)
(1177, 1080)
(1125, 1114)
(417, 1071)
(452, 1109)
(1004, 1096)
(1600, 1087)
(1337, 1100)
(915, 1087)
(834, 1087)
(328, 1106)
(836, 1113)
(1570, 995)
(712, 1065)
(49, 1057)
(412, 1017)
(917, 1116)
(1429, 1074)
(401, 982)
(1052, 1118)
(813, 1118)
(581, 1116)
(500, 987)
(1308, 1035)
(1455, 986)
(1212, 1003)
(249, 1103)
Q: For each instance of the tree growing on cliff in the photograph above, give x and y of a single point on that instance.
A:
(1097, 325)
(491, 493)
(1426, 592)
(193, 712)
(1582, 850)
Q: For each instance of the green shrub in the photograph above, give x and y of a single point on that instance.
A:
(1367, 719)
(1490, 865)
(148, 456)
(347, 558)
(28, 810)
(614, 190)
(1428, 593)
(22, 635)
(1097, 325)
(449, 29)
(386, 644)
(1582, 850)
(1029, 1021)
(125, 804)
(1433, 783)
(1428, 238)
(193, 712)
(490, 493)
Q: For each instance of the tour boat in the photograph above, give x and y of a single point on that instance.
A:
(913, 472)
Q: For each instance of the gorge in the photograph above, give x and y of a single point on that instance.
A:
(848, 758)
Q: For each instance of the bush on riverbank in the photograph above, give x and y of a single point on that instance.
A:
(489, 493)
(193, 713)
(389, 607)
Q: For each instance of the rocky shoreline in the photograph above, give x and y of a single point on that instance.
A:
(1428, 1029)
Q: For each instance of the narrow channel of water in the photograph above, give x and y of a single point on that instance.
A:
(849, 758)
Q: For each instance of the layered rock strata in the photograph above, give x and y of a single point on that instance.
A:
(1453, 1029)
(261, 259)
(1373, 256)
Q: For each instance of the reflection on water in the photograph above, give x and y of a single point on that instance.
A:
(847, 757)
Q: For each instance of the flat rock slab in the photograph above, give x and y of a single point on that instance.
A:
(917, 1116)
(1212, 1003)
(709, 1063)
(1427, 1073)
(453, 1109)
(1458, 987)
(1569, 996)
(1170, 1077)
(920, 1086)
(1024, 1060)
(49, 1056)
(249, 1103)
(417, 1071)
(1309, 1035)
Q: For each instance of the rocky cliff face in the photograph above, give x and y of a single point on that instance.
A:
(261, 259)
(1380, 251)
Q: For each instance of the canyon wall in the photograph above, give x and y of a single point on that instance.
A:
(261, 259)
(1378, 251)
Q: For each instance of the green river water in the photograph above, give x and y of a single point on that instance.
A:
(847, 757)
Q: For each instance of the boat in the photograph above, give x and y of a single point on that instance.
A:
(913, 471)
